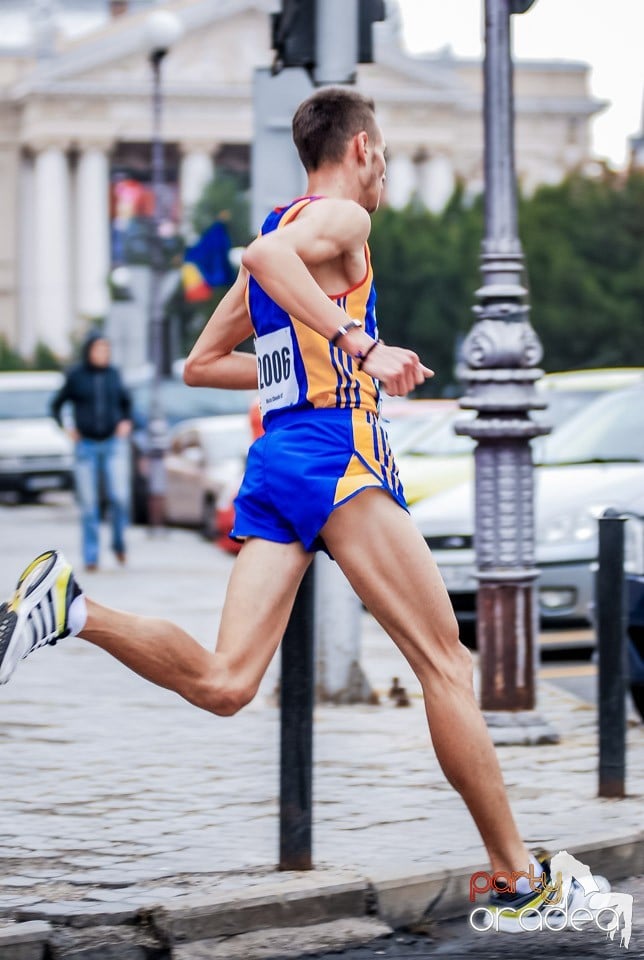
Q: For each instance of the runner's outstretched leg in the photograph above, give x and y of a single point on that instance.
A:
(258, 602)
(391, 569)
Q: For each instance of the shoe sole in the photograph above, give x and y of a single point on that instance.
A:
(31, 587)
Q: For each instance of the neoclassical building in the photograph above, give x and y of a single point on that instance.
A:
(75, 121)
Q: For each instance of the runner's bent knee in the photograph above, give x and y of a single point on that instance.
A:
(447, 665)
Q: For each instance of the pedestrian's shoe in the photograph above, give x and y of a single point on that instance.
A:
(37, 613)
(548, 906)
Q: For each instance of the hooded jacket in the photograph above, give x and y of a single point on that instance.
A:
(97, 395)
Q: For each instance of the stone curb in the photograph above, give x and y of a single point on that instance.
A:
(24, 941)
(402, 898)
(279, 905)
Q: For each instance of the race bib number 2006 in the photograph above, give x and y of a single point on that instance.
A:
(278, 385)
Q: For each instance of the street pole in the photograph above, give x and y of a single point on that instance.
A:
(339, 675)
(157, 427)
(296, 732)
(612, 684)
(163, 30)
(322, 40)
(501, 352)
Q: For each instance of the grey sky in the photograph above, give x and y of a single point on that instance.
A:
(607, 35)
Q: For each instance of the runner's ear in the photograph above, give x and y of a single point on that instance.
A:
(360, 144)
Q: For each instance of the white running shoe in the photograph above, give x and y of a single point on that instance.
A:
(37, 613)
(552, 905)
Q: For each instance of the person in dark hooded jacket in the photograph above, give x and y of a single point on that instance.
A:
(101, 407)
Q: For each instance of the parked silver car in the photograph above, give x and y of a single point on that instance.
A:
(204, 457)
(593, 461)
(35, 454)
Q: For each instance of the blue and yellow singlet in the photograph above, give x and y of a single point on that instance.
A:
(324, 441)
(299, 368)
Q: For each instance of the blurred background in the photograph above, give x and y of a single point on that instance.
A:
(78, 205)
(92, 240)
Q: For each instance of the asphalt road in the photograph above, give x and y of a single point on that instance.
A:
(456, 939)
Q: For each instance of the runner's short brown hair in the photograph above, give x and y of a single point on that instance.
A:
(325, 122)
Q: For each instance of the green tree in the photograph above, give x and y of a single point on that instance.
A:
(224, 198)
(44, 358)
(426, 273)
(584, 246)
(10, 359)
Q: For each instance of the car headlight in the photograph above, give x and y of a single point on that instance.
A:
(577, 527)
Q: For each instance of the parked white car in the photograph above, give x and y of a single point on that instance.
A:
(35, 454)
(432, 457)
(595, 460)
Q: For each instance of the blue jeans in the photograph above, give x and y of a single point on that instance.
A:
(103, 471)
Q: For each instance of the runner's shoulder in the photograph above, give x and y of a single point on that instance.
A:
(341, 215)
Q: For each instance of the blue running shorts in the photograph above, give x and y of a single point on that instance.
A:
(307, 464)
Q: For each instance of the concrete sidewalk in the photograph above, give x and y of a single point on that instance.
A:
(120, 801)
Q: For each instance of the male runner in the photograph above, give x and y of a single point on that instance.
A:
(321, 476)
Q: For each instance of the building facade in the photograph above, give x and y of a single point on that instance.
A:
(75, 127)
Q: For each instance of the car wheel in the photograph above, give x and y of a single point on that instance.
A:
(208, 525)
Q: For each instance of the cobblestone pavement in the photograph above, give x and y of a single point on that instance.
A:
(115, 790)
(457, 940)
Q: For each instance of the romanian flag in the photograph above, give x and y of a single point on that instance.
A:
(206, 264)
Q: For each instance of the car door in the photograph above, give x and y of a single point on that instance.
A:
(185, 466)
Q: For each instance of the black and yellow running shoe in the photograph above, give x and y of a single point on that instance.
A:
(555, 902)
(37, 613)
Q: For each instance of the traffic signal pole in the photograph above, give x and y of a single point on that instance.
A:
(336, 44)
(315, 43)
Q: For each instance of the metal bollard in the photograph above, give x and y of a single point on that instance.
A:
(296, 734)
(611, 630)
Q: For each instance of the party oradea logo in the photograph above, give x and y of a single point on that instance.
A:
(608, 912)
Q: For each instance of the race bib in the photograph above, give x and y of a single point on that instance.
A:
(278, 385)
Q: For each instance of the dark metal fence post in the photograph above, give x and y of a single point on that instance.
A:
(611, 629)
(296, 748)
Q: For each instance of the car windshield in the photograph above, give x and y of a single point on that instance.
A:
(562, 405)
(610, 430)
(181, 402)
(439, 439)
(25, 404)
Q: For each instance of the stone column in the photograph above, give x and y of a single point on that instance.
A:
(402, 180)
(435, 181)
(28, 334)
(52, 249)
(92, 233)
(196, 172)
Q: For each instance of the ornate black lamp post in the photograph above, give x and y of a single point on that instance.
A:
(163, 29)
(501, 352)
